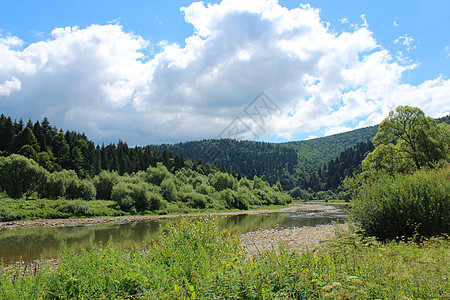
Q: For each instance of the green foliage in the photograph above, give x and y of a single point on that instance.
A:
(28, 151)
(408, 140)
(104, 183)
(121, 195)
(79, 189)
(14, 209)
(136, 197)
(57, 184)
(76, 208)
(196, 260)
(391, 207)
(169, 190)
(221, 181)
(20, 175)
(145, 199)
(157, 175)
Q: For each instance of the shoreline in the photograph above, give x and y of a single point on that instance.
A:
(297, 239)
(11, 225)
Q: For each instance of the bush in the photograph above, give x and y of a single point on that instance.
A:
(405, 205)
(199, 200)
(169, 189)
(76, 208)
(57, 184)
(232, 200)
(78, 189)
(157, 175)
(136, 197)
(104, 183)
(121, 194)
(205, 189)
(221, 181)
(87, 190)
(20, 175)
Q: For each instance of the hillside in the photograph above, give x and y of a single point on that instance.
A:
(290, 163)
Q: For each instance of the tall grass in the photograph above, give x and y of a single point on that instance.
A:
(196, 260)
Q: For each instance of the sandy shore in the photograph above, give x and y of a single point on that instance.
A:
(128, 219)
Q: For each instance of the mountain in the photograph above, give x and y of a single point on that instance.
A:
(290, 163)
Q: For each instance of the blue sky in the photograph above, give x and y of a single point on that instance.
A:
(150, 72)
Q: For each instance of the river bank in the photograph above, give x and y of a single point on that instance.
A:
(296, 238)
(129, 219)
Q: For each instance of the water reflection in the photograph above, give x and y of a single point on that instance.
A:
(35, 243)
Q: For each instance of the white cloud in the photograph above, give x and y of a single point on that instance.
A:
(100, 80)
(395, 23)
(363, 18)
(10, 86)
(406, 41)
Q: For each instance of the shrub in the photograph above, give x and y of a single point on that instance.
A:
(78, 189)
(76, 208)
(405, 205)
(169, 189)
(7, 215)
(20, 175)
(199, 200)
(205, 189)
(221, 181)
(231, 199)
(104, 183)
(121, 194)
(157, 175)
(155, 201)
(87, 190)
(57, 184)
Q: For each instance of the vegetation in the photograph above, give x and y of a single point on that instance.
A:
(401, 197)
(408, 140)
(404, 205)
(195, 260)
(404, 187)
(13, 209)
(156, 190)
(290, 163)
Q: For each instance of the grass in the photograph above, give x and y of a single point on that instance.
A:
(21, 209)
(196, 260)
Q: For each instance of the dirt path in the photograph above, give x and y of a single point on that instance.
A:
(128, 219)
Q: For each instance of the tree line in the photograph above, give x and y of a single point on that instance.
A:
(55, 150)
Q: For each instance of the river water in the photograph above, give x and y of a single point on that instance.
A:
(35, 243)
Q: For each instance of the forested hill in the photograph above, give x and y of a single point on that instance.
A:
(272, 161)
(312, 154)
(290, 163)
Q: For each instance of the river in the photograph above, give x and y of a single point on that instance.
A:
(28, 244)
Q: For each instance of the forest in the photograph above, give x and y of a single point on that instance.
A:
(39, 162)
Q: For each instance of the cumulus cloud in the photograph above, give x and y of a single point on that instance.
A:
(9, 86)
(101, 79)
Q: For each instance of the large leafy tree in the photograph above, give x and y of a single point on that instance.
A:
(408, 140)
(20, 175)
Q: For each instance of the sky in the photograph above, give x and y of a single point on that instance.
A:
(150, 72)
